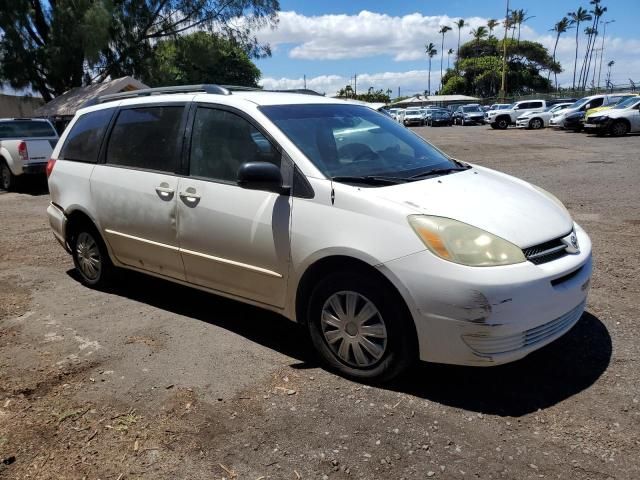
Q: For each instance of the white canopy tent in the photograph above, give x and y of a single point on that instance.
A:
(422, 100)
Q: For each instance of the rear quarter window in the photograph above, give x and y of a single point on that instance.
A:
(84, 140)
(26, 129)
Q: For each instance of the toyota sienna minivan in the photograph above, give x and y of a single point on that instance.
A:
(385, 248)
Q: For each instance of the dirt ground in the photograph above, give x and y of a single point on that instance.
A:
(156, 381)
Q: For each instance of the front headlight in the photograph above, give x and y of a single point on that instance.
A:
(465, 244)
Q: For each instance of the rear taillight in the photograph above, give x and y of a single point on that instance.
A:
(50, 164)
(23, 154)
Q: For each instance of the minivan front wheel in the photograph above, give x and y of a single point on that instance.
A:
(358, 329)
(90, 257)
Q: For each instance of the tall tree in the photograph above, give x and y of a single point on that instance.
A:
(479, 34)
(431, 52)
(54, 45)
(610, 64)
(443, 30)
(197, 58)
(577, 17)
(460, 24)
(518, 17)
(492, 23)
(597, 12)
(449, 53)
(559, 28)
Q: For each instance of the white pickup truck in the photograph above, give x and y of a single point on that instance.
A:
(501, 119)
(25, 147)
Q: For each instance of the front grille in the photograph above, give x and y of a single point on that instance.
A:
(493, 345)
(545, 252)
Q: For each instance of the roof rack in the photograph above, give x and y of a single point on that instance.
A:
(206, 88)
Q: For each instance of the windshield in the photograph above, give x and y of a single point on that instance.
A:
(626, 103)
(26, 129)
(350, 140)
(471, 109)
(579, 103)
(439, 114)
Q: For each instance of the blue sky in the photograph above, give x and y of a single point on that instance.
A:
(382, 41)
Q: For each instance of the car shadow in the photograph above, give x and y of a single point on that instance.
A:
(35, 185)
(544, 378)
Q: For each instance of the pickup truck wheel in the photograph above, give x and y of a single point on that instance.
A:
(494, 126)
(535, 124)
(7, 178)
(502, 123)
(358, 329)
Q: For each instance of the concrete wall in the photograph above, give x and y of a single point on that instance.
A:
(12, 106)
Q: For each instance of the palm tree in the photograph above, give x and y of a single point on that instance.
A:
(559, 28)
(431, 52)
(478, 34)
(610, 64)
(443, 29)
(518, 17)
(577, 17)
(460, 24)
(492, 23)
(597, 12)
(449, 53)
(590, 32)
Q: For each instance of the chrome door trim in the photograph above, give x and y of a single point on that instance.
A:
(245, 266)
(253, 268)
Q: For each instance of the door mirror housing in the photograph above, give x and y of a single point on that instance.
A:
(261, 176)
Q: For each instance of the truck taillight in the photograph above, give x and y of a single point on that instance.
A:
(22, 151)
(50, 164)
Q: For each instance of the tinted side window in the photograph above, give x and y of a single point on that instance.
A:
(85, 137)
(535, 104)
(597, 102)
(147, 138)
(222, 141)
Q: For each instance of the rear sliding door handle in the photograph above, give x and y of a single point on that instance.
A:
(164, 192)
(190, 197)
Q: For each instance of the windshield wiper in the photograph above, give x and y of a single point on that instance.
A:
(369, 179)
(438, 171)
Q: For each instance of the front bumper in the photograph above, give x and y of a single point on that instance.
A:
(492, 315)
(524, 123)
(413, 121)
(474, 120)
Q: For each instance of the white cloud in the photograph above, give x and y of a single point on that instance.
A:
(410, 82)
(402, 38)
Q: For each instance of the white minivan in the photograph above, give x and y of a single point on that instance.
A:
(385, 248)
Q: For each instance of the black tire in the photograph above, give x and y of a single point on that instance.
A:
(400, 349)
(8, 180)
(494, 126)
(501, 123)
(82, 242)
(462, 122)
(536, 124)
(619, 128)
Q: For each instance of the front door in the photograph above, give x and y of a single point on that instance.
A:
(135, 189)
(231, 239)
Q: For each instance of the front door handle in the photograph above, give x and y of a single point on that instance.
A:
(190, 197)
(164, 191)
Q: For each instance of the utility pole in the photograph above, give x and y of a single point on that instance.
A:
(355, 84)
(398, 92)
(305, 81)
(602, 49)
(503, 86)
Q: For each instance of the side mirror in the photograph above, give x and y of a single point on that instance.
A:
(261, 176)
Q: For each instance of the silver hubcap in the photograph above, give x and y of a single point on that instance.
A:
(354, 329)
(88, 254)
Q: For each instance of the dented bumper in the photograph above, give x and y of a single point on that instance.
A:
(491, 315)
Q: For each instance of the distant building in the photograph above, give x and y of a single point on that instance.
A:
(61, 109)
(12, 106)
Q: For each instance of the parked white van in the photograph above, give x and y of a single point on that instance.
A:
(329, 213)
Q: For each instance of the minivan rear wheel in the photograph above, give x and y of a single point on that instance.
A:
(358, 329)
(619, 128)
(90, 257)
